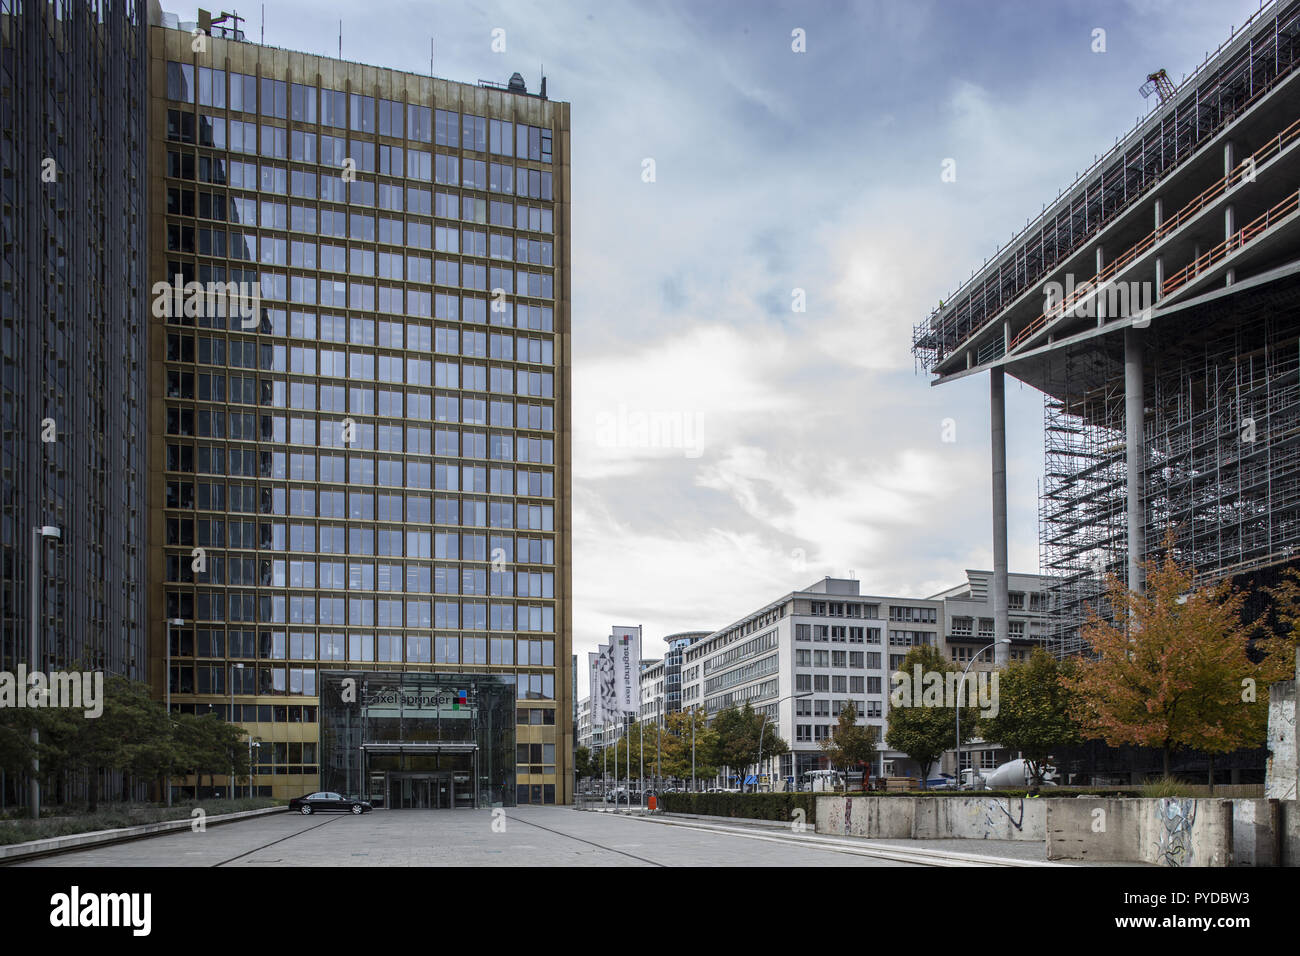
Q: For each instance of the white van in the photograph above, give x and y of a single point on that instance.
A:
(822, 781)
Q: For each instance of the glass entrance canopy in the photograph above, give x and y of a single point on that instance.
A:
(381, 729)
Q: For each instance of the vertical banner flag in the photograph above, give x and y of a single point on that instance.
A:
(627, 665)
(593, 686)
(604, 693)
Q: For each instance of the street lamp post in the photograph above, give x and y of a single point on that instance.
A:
(252, 745)
(763, 727)
(230, 718)
(167, 684)
(34, 784)
(962, 686)
(692, 750)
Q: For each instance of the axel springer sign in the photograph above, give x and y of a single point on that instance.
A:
(449, 700)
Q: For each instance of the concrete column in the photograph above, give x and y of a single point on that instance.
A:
(1229, 161)
(1134, 455)
(998, 435)
(1160, 260)
(1229, 227)
(1100, 299)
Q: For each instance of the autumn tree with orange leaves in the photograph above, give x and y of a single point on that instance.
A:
(1177, 668)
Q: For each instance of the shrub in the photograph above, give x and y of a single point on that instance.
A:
(1166, 787)
(751, 806)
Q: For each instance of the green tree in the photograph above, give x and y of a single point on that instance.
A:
(735, 744)
(15, 739)
(676, 759)
(923, 728)
(851, 744)
(210, 745)
(582, 762)
(1033, 710)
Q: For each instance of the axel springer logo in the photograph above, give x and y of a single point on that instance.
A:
(75, 690)
(945, 689)
(76, 909)
(196, 299)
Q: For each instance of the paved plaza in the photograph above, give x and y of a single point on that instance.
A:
(517, 836)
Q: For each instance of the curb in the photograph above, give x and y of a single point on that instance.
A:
(907, 854)
(739, 821)
(50, 846)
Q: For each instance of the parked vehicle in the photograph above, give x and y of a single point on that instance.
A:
(1013, 774)
(822, 781)
(325, 800)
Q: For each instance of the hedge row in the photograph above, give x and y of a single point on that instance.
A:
(1044, 792)
(752, 806)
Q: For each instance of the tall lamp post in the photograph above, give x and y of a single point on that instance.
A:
(974, 657)
(167, 684)
(763, 726)
(692, 750)
(34, 784)
(252, 745)
(230, 718)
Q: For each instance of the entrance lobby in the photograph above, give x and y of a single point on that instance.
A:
(418, 740)
(423, 791)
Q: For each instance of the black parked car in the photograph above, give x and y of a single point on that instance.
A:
(325, 800)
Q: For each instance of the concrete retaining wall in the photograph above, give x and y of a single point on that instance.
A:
(1171, 831)
(1290, 827)
(77, 841)
(1280, 779)
(934, 818)
(1168, 831)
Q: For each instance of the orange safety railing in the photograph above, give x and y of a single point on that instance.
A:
(1231, 244)
(1246, 167)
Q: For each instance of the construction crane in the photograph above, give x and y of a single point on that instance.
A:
(1158, 82)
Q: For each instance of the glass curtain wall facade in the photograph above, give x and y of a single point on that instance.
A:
(72, 337)
(419, 741)
(371, 470)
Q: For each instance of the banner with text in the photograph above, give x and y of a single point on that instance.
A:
(627, 666)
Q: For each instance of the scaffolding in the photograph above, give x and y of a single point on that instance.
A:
(1221, 455)
(1245, 68)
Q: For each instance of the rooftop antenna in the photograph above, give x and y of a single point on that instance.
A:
(430, 57)
(264, 24)
(340, 39)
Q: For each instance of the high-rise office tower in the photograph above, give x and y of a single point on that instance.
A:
(72, 337)
(359, 442)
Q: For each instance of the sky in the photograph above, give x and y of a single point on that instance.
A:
(756, 230)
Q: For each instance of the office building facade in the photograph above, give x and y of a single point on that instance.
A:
(369, 479)
(72, 340)
(838, 646)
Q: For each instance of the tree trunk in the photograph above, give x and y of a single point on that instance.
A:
(1167, 760)
(1211, 774)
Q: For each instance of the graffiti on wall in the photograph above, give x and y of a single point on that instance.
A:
(1174, 838)
(993, 810)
